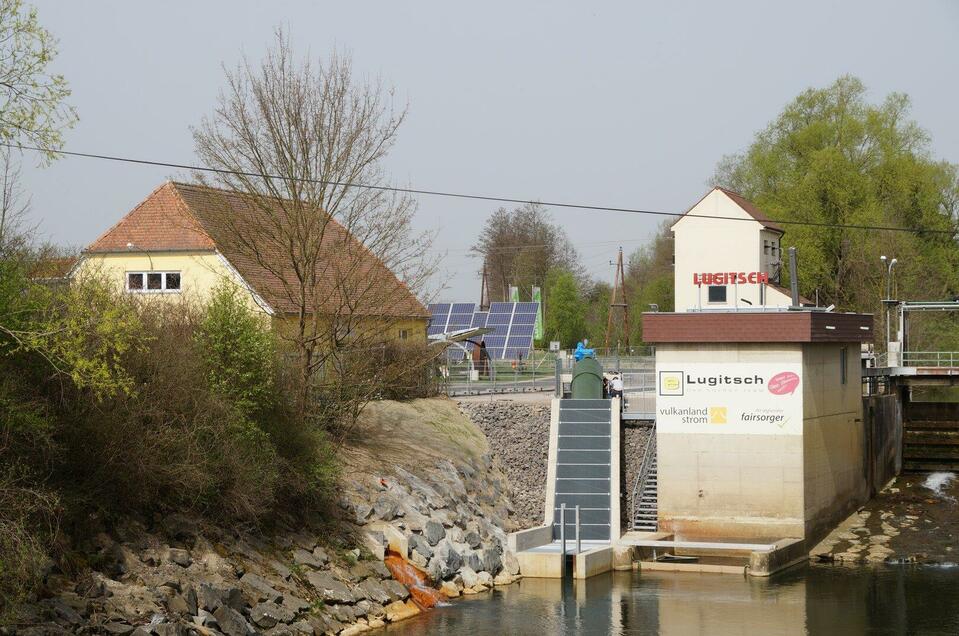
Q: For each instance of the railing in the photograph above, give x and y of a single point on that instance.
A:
(463, 377)
(648, 454)
(930, 359)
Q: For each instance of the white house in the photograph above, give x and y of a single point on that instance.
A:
(728, 254)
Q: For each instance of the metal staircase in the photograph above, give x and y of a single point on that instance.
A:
(644, 497)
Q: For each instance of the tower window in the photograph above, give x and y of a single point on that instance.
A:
(717, 293)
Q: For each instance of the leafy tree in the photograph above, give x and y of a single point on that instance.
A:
(833, 157)
(238, 351)
(33, 108)
(520, 247)
(649, 278)
(566, 315)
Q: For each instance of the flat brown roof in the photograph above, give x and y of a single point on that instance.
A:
(747, 326)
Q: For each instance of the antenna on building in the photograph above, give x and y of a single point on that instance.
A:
(619, 285)
(484, 291)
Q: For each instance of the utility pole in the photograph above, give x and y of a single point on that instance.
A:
(484, 291)
(619, 285)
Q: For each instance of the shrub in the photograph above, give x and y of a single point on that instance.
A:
(238, 350)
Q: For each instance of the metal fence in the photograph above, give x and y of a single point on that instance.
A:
(538, 373)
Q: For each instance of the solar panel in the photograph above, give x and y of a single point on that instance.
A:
(512, 326)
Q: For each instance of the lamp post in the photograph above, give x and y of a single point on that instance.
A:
(888, 301)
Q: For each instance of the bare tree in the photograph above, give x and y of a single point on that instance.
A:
(14, 206)
(521, 246)
(303, 145)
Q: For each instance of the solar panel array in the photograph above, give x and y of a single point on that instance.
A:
(512, 325)
(448, 317)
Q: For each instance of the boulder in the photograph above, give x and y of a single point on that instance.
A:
(433, 531)
(385, 507)
(399, 610)
(179, 557)
(204, 618)
(307, 559)
(449, 589)
(231, 622)
(469, 577)
(259, 588)
(449, 559)
(421, 545)
(362, 512)
(485, 579)
(116, 627)
(474, 560)
(329, 589)
(472, 539)
(379, 569)
(395, 589)
(342, 613)
(375, 591)
(320, 555)
(492, 562)
(510, 563)
(295, 603)
(266, 615)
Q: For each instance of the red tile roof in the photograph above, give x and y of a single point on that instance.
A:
(161, 222)
(349, 278)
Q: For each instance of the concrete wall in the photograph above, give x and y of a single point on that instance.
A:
(834, 444)
(703, 245)
(729, 485)
(883, 429)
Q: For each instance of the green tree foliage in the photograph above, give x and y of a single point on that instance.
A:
(833, 157)
(566, 315)
(238, 349)
(649, 279)
(520, 247)
(33, 108)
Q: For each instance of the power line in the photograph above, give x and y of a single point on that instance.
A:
(460, 195)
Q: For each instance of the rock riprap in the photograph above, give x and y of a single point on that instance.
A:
(518, 435)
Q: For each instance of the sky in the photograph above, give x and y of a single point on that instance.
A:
(621, 104)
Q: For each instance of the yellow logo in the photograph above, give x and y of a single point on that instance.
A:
(717, 414)
(670, 383)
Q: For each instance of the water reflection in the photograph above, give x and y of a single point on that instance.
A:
(813, 600)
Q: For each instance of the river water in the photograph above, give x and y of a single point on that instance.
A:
(810, 600)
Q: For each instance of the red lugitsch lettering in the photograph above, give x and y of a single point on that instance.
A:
(731, 278)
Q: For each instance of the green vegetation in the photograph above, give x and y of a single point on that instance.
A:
(566, 319)
(109, 407)
(833, 157)
(33, 110)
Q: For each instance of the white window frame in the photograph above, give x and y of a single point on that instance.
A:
(404, 334)
(163, 282)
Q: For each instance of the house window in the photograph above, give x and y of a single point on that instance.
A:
(842, 365)
(717, 293)
(766, 247)
(153, 282)
(404, 334)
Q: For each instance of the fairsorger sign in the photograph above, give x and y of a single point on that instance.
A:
(745, 398)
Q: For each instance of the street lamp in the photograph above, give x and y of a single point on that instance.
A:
(888, 301)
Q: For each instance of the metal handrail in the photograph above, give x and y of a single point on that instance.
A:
(643, 475)
(930, 358)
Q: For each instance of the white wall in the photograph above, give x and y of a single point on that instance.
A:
(721, 245)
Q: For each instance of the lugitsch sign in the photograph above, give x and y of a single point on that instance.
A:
(746, 398)
(730, 278)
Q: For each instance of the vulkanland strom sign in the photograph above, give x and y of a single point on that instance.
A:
(730, 278)
(745, 398)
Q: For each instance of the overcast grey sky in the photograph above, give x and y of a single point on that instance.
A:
(623, 104)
